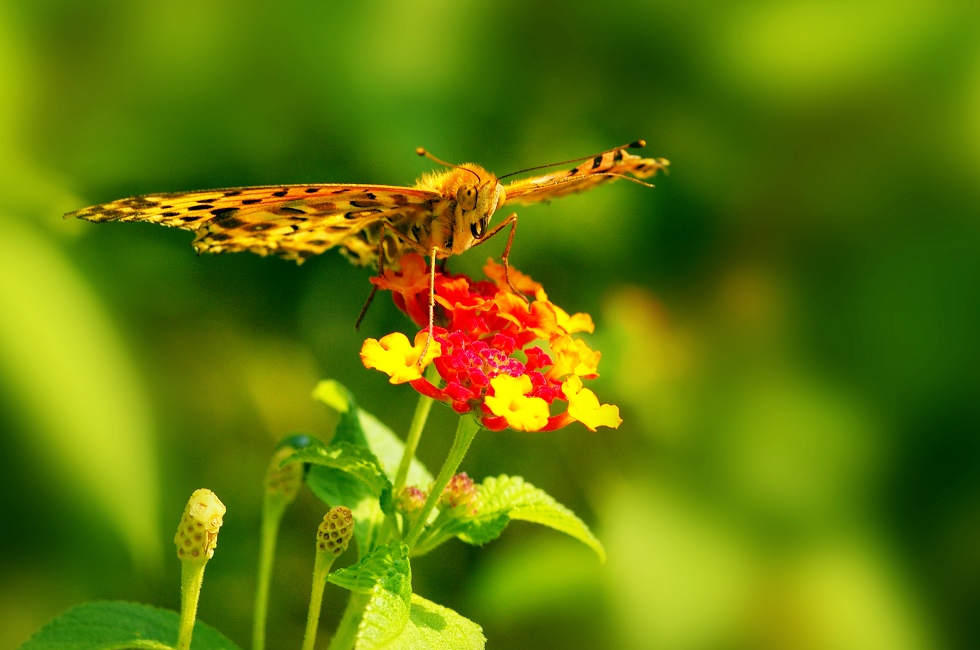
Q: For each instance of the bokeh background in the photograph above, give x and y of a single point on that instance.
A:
(788, 321)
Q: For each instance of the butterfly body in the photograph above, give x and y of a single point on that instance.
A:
(445, 213)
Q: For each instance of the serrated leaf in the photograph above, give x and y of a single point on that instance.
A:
(337, 488)
(117, 625)
(356, 461)
(397, 619)
(480, 530)
(386, 574)
(385, 445)
(506, 498)
(386, 565)
(348, 475)
(434, 627)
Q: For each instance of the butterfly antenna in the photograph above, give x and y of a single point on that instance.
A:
(422, 152)
(636, 144)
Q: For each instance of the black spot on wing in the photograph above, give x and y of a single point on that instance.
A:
(231, 223)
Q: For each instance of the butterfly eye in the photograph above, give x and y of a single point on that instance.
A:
(466, 197)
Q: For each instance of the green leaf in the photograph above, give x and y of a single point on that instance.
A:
(386, 565)
(386, 574)
(117, 625)
(397, 619)
(347, 475)
(380, 439)
(434, 627)
(506, 498)
(336, 396)
(356, 461)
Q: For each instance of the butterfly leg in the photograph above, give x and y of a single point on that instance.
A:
(505, 258)
(386, 228)
(374, 287)
(432, 302)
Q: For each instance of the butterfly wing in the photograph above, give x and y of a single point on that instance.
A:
(292, 221)
(605, 167)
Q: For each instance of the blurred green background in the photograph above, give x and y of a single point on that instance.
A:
(788, 321)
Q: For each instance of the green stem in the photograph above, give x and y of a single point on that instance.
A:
(324, 560)
(465, 432)
(346, 633)
(414, 433)
(273, 509)
(191, 577)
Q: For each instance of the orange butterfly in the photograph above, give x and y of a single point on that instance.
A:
(443, 214)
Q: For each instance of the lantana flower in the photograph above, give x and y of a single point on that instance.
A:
(512, 360)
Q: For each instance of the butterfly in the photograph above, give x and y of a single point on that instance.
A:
(445, 213)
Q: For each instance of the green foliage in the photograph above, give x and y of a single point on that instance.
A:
(351, 474)
(387, 446)
(397, 619)
(507, 498)
(357, 462)
(347, 475)
(433, 627)
(118, 625)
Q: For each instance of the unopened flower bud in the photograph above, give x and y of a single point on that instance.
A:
(197, 534)
(284, 481)
(460, 495)
(335, 531)
(410, 500)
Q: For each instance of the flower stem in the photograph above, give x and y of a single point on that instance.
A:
(272, 512)
(465, 432)
(320, 571)
(414, 433)
(191, 577)
(282, 484)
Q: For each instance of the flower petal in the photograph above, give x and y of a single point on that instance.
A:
(573, 357)
(571, 324)
(522, 282)
(396, 357)
(510, 401)
(583, 405)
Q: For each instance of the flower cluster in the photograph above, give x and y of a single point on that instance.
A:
(482, 349)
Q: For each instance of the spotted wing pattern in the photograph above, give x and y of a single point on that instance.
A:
(292, 221)
(593, 172)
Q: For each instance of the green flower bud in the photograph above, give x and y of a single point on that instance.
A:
(335, 531)
(197, 534)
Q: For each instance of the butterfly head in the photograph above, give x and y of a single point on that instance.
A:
(477, 194)
(473, 194)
